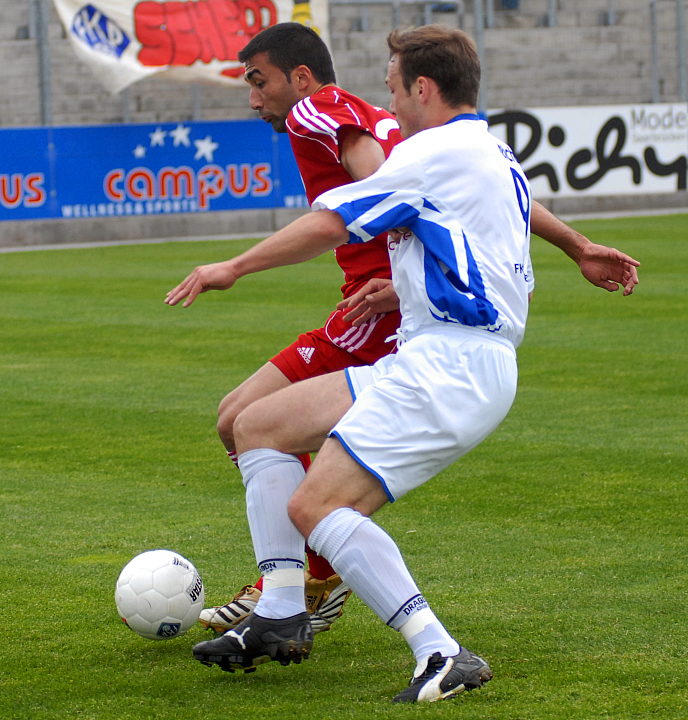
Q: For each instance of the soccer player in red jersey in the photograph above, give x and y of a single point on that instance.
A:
(338, 138)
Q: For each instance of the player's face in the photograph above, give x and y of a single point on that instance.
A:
(402, 104)
(271, 94)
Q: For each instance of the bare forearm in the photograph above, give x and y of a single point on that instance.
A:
(600, 265)
(547, 226)
(304, 238)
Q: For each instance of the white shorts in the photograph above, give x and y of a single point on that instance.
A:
(418, 411)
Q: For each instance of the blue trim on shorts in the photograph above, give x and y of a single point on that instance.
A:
(350, 384)
(335, 434)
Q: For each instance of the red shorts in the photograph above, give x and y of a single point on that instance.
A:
(338, 345)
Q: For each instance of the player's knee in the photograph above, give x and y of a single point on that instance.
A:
(299, 514)
(245, 429)
(226, 415)
(306, 509)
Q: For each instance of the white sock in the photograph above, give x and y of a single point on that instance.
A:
(426, 635)
(369, 561)
(270, 478)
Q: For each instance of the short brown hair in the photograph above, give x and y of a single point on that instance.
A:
(446, 55)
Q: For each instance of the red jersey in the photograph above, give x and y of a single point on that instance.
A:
(313, 126)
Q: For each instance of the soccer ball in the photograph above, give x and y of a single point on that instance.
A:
(159, 594)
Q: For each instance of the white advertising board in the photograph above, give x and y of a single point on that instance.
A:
(599, 150)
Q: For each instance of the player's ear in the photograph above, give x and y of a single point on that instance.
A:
(426, 88)
(422, 86)
(302, 77)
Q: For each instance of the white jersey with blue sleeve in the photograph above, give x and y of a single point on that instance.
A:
(461, 204)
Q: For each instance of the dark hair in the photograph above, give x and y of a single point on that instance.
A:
(289, 45)
(446, 55)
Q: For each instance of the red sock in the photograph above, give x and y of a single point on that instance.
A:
(305, 461)
(231, 454)
(318, 566)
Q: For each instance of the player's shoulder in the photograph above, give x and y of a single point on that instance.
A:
(336, 100)
(332, 108)
(429, 147)
(467, 135)
(335, 95)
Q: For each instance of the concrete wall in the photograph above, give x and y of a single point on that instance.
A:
(580, 61)
(526, 64)
(258, 223)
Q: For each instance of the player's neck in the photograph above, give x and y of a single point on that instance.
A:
(442, 114)
(320, 86)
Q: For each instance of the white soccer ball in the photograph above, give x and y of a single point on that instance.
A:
(159, 594)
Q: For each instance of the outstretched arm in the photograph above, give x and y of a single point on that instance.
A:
(602, 266)
(361, 156)
(306, 237)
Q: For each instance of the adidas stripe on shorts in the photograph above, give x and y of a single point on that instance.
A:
(336, 346)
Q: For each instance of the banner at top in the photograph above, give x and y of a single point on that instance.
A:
(192, 40)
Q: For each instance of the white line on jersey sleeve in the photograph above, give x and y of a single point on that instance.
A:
(306, 114)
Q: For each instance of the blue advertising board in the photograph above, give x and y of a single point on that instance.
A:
(198, 167)
(145, 169)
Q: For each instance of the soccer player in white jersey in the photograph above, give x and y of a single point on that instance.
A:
(460, 206)
(337, 138)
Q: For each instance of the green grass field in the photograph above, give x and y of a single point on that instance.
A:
(557, 549)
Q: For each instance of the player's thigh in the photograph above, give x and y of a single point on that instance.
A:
(264, 381)
(333, 481)
(295, 419)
